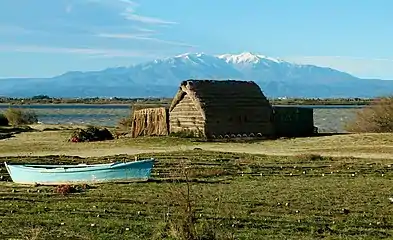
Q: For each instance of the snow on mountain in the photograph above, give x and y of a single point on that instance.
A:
(161, 78)
(247, 58)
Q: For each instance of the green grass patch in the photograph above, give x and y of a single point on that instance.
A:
(234, 196)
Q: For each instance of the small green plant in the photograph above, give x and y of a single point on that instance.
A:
(3, 120)
(18, 117)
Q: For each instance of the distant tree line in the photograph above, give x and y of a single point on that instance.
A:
(322, 101)
(44, 99)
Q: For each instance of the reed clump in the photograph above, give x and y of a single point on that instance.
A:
(18, 117)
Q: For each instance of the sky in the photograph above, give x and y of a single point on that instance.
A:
(44, 38)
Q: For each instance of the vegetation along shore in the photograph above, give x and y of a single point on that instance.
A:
(42, 99)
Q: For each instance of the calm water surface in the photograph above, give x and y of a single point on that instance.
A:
(330, 118)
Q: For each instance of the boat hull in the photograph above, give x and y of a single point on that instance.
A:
(77, 174)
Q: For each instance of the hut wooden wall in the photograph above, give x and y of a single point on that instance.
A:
(293, 121)
(185, 117)
(150, 122)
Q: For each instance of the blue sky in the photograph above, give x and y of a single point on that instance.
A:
(43, 38)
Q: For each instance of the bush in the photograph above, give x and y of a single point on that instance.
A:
(124, 125)
(374, 118)
(91, 134)
(17, 117)
(182, 222)
(3, 120)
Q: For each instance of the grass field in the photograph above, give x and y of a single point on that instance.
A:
(237, 196)
(54, 142)
(304, 188)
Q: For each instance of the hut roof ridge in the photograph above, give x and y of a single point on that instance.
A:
(212, 95)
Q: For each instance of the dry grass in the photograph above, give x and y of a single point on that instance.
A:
(18, 117)
(377, 117)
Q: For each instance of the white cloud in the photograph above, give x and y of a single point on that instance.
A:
(81, 51)
(68, 8)
(130, 15)
(128, 11)
(77, 22)
(144, 37)
(358, 66)
(13, 30)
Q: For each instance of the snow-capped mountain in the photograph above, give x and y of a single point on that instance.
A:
(248, 58)
(161, 77)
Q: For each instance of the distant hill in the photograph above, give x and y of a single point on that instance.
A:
(161, 78)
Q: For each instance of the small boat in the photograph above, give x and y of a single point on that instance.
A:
(81, 173)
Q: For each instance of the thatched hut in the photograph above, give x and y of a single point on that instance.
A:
(150, 122)
(216, 109)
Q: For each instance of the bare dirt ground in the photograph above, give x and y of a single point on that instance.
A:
(54, 142)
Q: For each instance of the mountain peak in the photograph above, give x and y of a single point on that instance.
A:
(247, 57)
(187, 55)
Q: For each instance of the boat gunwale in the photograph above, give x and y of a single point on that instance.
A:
(82, 168)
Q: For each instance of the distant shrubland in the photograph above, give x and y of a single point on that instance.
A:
(44, 99)
(374, 118)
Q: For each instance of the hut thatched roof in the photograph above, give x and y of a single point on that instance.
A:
(213, 97)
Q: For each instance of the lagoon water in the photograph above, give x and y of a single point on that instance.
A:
(328, 118)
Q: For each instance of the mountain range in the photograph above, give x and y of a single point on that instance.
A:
(161, 78)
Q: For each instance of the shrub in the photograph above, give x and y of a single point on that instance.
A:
(91, 134)
(124, 125)
(181, 221)
(374, 118)
(17, 116)
(3, 120)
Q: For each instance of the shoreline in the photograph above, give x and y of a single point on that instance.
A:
(65, 104)
(130, 104)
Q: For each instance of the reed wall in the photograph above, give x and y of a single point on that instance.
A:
(150, 122)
